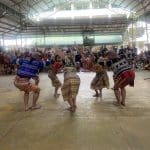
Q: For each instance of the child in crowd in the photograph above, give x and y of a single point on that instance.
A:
(100, 80)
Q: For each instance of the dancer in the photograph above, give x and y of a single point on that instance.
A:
(123, 76)
(52, 74)
(29, 69)
(69, 59)
(100, 80)
(70, 87)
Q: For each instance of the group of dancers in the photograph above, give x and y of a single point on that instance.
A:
(29, 68)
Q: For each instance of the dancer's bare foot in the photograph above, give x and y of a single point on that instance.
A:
(123, 104)
(71, 109)
(36, 107)
(116, 103)
(75, 106)
(56, 95)
(96, 95)
(100, 95)
(26, 109)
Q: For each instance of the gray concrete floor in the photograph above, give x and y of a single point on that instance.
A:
(96, 125)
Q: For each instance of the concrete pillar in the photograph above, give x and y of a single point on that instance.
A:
(3, 40)
(21, 40)
(147, 36)
(16, 42)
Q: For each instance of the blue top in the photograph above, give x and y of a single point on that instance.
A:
(29, 68)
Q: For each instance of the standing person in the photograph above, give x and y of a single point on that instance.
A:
(1, 63)
(69, 59)
(90, 62)
(123, 76)
(70, 87)
(78, 60)
(52, 74)
(29, 69)
(100, 80)
(122, 52)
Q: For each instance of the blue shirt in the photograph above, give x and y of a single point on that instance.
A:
(29, 68)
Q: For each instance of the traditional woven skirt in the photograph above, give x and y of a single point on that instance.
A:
(24, 84)
(124, 79)
(100, 81)
(70, 88)
(55, 81)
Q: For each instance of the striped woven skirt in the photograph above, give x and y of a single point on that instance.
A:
(54, 79)
(70, 88)
(24, 84)
(124, 79)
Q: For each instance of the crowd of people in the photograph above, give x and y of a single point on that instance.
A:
(28, 63)
(143, 60)
(84, 57)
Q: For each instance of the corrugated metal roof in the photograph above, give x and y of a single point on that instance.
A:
(14, 15)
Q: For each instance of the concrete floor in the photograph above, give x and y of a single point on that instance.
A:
(96, 125)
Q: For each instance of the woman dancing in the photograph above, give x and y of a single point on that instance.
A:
(70, 87)
(100, 80)
(29, 69)
(123, 76)
(52, 74)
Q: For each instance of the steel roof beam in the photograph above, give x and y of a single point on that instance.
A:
(79, 28)
(13, 13)
(133, 8)
(10, 11)
(120, 3)
(144, 7)
(83, 22)
(1, 27)
(36, 2)
(65, 31)
(14, 29)
(17, 3)
(130, 3)
(28, 5)
(8, 24)
(72, 26)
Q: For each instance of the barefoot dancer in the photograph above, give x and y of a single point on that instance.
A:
(123, 76)
(52, 74)
(100, 80)
(70, 87)
(29, 68)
